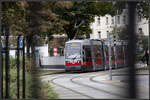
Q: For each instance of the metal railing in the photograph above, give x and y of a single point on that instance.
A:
(5, 54)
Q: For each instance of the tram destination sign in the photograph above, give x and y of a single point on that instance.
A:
(75, 44)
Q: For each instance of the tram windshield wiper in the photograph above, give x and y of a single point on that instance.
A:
(75, 57)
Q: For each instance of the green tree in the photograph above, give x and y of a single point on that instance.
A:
(143, 8)
(79, 15)
(121, 33)
(14, 13)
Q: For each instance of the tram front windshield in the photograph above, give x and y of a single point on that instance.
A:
(73, 50)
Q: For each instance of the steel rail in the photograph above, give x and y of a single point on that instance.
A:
(52, 81)
(85, 85)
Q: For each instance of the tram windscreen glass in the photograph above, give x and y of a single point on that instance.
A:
(73, 50)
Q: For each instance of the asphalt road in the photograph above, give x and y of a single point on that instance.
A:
(94, 85)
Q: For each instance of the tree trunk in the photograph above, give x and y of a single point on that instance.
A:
(70, 32)
(29, 42)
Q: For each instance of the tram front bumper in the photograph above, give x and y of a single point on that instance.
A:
(73, 68)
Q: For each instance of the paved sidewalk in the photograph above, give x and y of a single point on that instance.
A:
(121, 79)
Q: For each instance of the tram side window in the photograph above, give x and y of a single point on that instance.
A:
(119, 52)
(122, 53)
(107, 56)
(87, 53)
(98, 52)
(112, 53)
(126, 48)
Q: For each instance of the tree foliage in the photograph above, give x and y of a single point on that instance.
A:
(79, 15)
(121, 33)
(143, 8)
(14, 13)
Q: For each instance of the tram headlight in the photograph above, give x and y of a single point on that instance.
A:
(67, 61)
(78, 61)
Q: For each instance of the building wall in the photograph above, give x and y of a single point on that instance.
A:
(144, 25)
(100, 26)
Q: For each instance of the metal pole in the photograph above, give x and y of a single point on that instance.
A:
(23, 71)
(105, 57)
(18, 69)
(131, 48)
(123, 52)
(1, 70)
(109, 53)
(149, 32)
(2, 77)
(7, 61)
(115, 55)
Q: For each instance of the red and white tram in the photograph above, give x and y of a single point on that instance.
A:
(91, 55)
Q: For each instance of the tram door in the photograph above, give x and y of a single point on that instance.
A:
(106, 57)
(125, 54)
(112, 57)
(87, 59)
(120, 55)
(98, 57)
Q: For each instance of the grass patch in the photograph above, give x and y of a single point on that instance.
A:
(47, 92)
(43, 90)
(49, 72)
(143, 68)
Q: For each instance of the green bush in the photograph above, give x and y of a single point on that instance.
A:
(44, 90)
(139, 57)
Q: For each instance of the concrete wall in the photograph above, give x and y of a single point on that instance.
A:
(58, 60)
(53, 62)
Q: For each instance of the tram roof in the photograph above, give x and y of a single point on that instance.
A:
(82, 41)
(87, 42)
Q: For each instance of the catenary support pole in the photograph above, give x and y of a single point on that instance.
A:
(115, 56)
(149, 32)
(1, 71)
(109, 53)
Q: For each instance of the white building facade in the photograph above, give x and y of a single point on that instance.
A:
(108, 23)
(143, 26)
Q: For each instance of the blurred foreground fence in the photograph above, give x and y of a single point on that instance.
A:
(131, 57)
(5, 63)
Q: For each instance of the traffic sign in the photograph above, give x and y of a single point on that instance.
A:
(3, 51)
(55, 49)
(21, 42)
(55, 54)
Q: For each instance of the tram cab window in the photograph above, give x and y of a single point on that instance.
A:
(73, 50)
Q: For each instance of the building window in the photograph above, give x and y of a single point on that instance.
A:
(112, 20)
(98, 20)
(118, 19)
(139, 18)
(124, 19)
(140, 30)
(99, 34)
(106, 20)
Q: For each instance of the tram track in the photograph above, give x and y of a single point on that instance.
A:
(52, 81)
(101, 90)
(112, 84)
(57, 79)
